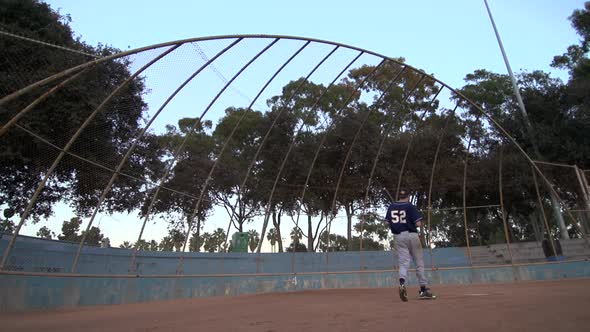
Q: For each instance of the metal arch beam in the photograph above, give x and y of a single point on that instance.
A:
(373, 168)
(181, 146)
(375, 161)
(274, 122)
(16, 94)
(267, 133)
(545, 219)
(98, 165)
(401, 172)
(380, 150)
(502, 209)
(49, 172)
(179, 149)
(76, 69)
(390, 84)
(349, 153)
(464, 191)
(283, 163)
(381, 145)
(41, 98)
(130, 151)
(434, 161)
(323, 140)
(210, 175)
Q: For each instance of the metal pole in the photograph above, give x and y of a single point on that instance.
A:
(290, 149)
(502, 206)
(465, 201)
(544, 215)
(513, 80)
(586, 191)
(429, 215)
(529, 127)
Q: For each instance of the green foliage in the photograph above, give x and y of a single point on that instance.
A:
(7, 226)
(144, 245)
(8, 213)
(215, 242)
(313, 153)
(94, 237)
(236, 142)
(105, 140)
(296, 236)
(298, 247)
(273, 237)
(45, 233)
(372, 225)
(253, 239)
(70, 229)
(334, 242)
(196, 242)
(126, 245)
(177, 238)
(167, 244)
(189, 172)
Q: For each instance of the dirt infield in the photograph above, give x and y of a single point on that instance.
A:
(527, 306)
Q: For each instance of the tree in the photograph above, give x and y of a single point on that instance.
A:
(235, 154)
(126, 245)
(196, 242)
(254, 238)
(178, 238)
(336, 242)
(294, 114)
(215, 241)
(167, 244)
(576, 55)
(188, 175)
(146, 246)
(296, 235)
(297, 247)
(8, 213)
(70, 229)
(7, 226)
(94, 237)
(105, 140)
(369, 227)
(45, 233)
(554, 120)
(273, 238)
(153, 245)
(577, 92)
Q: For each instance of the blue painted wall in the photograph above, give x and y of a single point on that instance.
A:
(103, 276)
(38, 255)
(27, 292)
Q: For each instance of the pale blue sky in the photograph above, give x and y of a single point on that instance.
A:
(446, 38)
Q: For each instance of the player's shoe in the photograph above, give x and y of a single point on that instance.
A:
(403, 293)
(426, 294)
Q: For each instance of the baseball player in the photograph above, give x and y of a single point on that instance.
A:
(403, 219)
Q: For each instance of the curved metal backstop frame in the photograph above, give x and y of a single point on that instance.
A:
(56, 82)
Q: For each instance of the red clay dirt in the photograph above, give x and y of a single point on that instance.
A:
(524, 306)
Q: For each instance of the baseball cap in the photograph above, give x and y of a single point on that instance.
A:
(403, 193)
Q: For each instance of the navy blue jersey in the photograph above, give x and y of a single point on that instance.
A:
(402, 216)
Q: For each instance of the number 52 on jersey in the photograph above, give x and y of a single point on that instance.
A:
(398, 216)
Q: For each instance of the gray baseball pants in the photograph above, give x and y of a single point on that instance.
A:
(408, 247)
